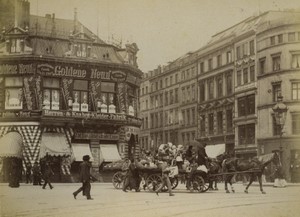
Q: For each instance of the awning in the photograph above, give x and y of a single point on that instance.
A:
(54, 144)
(215, 150)
(11, 145)
(109, 153)
(79, 150)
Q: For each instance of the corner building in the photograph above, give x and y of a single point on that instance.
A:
(66, 92)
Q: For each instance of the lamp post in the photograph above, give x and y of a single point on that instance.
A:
(280, 110)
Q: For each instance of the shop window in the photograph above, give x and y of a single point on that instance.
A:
(80, 96)
(14, 93)
(295, 90)
(295, 61)
(108, 104)
(51, 93)
(246, 134)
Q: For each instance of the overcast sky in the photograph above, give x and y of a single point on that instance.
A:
(163, 29)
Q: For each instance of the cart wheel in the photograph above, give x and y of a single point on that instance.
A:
(153, 182)
(117, 180)
(199, 184)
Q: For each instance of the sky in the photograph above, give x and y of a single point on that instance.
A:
(163, 30)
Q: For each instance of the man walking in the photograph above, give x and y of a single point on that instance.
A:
(85, 178)
(165, 168)
(47, 175)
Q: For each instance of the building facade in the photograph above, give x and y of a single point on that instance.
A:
(67, 92)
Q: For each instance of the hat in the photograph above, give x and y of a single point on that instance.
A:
(86, 158)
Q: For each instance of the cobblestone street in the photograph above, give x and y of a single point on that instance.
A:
(31, 200)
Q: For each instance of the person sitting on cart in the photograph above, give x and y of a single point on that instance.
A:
(165, 168)
(179, 156)
(202, 156)
(163, 152)
(132, 177)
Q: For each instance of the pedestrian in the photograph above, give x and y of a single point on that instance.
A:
(85, 178)
(14, 176)
(36, 174)
(28, 173)
(132, 178)
(165, 169)
(47, 175)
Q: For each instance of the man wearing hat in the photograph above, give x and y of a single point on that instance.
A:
(85, 178)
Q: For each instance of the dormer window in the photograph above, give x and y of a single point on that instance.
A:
(15, 45)
(80, 50)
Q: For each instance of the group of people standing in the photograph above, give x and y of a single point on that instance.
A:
(35, 175)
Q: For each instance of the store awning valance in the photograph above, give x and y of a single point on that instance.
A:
(11, 145)
(109, 152)
(215, 150)
(79, 150)
(54, 144)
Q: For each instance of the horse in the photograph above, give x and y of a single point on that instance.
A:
(256, 164)
(215, 167)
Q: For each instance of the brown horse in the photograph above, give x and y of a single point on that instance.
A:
(256, 164)
(215, 167)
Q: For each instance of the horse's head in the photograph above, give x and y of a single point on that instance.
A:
(276, 159)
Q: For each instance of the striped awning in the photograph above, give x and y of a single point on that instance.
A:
(11, 145)
(54, 144)
(109, 153)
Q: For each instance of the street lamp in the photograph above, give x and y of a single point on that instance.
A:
(280, 110)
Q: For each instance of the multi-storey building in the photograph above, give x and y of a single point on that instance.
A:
(240, 74)
(65, 92)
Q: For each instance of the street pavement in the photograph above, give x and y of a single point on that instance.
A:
(29, 200)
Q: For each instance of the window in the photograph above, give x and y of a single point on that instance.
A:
(295, 61)
(171, 80)
(220, 122)
(80, 50)
(211, 123)
(13, 93)
(262, 64)
(228, 57)
(296, 124)
(276, 63)
(183, 94)
(291, 36)
(166, 82)
(246, 134)
(183, 137)
(166, 98)
(156, 101)
(238, 52)
(239, 77)
(15, 45)
(245, 49)
(202, 125)
(211, 88)
(280, 38)
(229, 121)
(156, 85)
(146, 89)
(210, 64)
(108, 101)
(176, 78)
(146, 104)
(201, 67)
(252, 73)
(171, 97)
(176, 116)
(295, 90)
(219, 60)
(161, 100)
(245, 75)
(143, 91)
(229, 84)
(183, 117)
(202, 92)
(246, 105)
(152, 120)
(272, 39)
(219, 86)
(146, 123)
(193, 116)
(276, 91)
(51, 93)
(251, 44)
(182, 75)
(176, 95)
(276, 127)
(187, 136)
(193, 92)
(161, 84)
(188, 93)
(188, 117)
(188, 74)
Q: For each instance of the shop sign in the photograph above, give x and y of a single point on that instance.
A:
(20, 114)
(118, 76)
(97, 136)
(13, 69)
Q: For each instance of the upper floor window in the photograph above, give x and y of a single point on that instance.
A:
(252, 49)
(229, 120)
(292, 36)
(246, 105)
(276, 63)
(188, 93)
(176, 95)
(193, 92)
(219, 60)
(171, 80)
(238, 52)
(296, 60)
(15, 45)
(51, 93)
(183, 94)
(245, 75)
(246, 134)
(210, 66)
(13, 93)
(166, 82)
(239, 77)
(252, 73)
(176, 78)
(201, 67)
(220, 86)
(295, 90)
(82, 50)
(229, 84)
(211, 123)
(296, 124)
(80, 96)
(202, 125)
(220, 122)
(280, 38)
(276, 91)
(108, 96)
(211, 89)
(272, 39)
(228, 57)
(202, 92)
(262, 65)
(166, 98)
